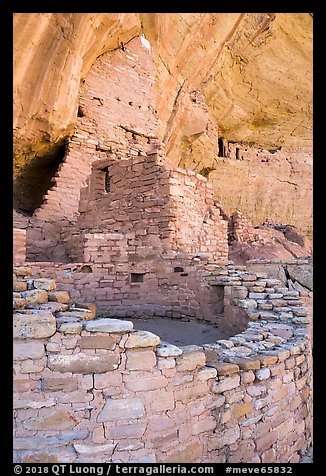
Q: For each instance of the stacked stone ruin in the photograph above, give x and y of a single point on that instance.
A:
(88, 388)
(123, 234)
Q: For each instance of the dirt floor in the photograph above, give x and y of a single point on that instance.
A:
(180, 332)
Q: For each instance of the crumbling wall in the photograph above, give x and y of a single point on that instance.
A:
(266, 184)
(116, 113)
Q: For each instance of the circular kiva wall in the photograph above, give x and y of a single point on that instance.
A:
(95, 390)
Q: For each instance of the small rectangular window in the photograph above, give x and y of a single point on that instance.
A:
(137, 277)
(107, 182)
(178, 269)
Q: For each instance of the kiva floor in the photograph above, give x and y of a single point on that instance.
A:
(180, 332)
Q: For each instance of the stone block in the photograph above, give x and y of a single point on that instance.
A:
(80, 314)
(105, 381)
(35, 296)
(70, 327)
(22, 271)
(245, 363)
(21, 385)
(217, 402)
(168, 350)
(29, 367)
(28, 350)
(143, 384)
(228, 383)
(225, 368)
(266, 359)
(279, 393)
(190, 361)
(50, 307)
(203, 425)
(93, 450)
(133, 430)
(59, 296)
(158, 441)
(140, 360)
(109, 325)
(47, 442)
(19, 286)
(18, 303)
(267, 441)
(142, 339)
(55, 420)
(224, 438)
(32, 400)
(263, 374)
(165, 401)
(192, 453)
(55, 455)
(269, 456)
(243, 409)
(57, 384)
(190, 393)
(122, 409)
(262, 402)
(46, 284)
(244, 453)
(247, 303)
(98, 342)
(247, 377)
(38, 325)
(206, 373)
(84, 363)
(165, 363)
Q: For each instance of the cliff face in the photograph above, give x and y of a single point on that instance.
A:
(246, 78)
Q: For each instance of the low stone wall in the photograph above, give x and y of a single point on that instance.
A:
(95, 390)
(19, 246)
(173, 288)
(295, 273)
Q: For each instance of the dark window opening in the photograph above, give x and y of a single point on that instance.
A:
(36, 177)
(222, 147)
(86, 269)
(81, 111)
(137, 277)
(107, 180)
(237, 153)
(206, 171)
(178, 269)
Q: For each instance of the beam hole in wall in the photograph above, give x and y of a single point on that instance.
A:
(37, 176)
(206, 171)
(81, 111)
(178, 269)
(137, 277)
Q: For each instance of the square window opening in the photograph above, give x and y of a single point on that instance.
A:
(137, 277)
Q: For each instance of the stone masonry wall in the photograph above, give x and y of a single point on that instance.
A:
(158, 206)
(137, 241)
(116, 114)
(164, 292)
(90, 389)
